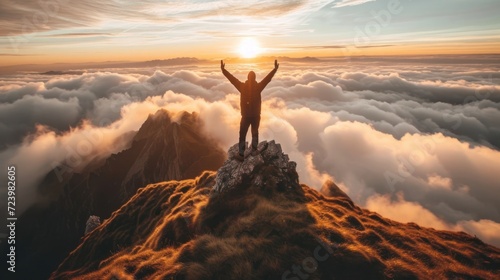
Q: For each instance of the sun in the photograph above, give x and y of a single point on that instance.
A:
(249, 48)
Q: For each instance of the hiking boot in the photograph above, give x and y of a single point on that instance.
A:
(254, 152)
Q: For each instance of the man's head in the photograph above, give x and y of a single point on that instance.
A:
(251, 76)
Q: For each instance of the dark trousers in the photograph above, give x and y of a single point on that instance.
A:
(244, 124)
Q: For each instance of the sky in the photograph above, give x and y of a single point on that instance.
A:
(55, 31)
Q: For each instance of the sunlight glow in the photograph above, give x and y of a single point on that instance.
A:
(249, 48)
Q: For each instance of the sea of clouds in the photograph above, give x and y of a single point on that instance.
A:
(413, 141)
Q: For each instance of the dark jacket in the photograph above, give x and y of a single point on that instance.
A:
(250, 100)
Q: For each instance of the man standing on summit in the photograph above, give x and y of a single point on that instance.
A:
(250, 103)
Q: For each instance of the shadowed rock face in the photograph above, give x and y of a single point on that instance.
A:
(162, 150)
(252, 220)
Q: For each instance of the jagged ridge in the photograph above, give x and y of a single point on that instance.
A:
(165, 148)
(199, 229)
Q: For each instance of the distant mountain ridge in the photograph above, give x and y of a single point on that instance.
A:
(78, 68)
(165, 148)
(253, 220)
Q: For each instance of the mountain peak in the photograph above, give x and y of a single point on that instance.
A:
(329, 188)
(154, 123)
(269, 169)
(167, 147)
(252, 220)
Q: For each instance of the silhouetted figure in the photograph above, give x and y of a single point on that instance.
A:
(250, 103)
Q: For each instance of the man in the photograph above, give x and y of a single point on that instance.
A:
(250, 103)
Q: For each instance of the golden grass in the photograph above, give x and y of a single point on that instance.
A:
(176, 230)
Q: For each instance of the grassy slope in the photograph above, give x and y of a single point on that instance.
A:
(176, 230)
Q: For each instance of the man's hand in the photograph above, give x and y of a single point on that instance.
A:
(222, 65)
(276, 64)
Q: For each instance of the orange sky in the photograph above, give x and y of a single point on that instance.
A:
(129, 31)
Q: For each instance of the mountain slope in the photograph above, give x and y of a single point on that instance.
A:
(253, 220)
(162, 150)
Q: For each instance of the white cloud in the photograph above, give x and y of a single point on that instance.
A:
(378, 132)
(440, 182)
(343, 3)
(404, 211)
(486, 230)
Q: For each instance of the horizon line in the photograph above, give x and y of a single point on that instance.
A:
(250, 59)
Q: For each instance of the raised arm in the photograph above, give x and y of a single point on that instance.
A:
(269, 76)
(230, 77)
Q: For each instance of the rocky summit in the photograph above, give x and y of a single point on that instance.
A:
(269, 168)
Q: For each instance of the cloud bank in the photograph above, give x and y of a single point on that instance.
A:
(413, 142)
(343, 3)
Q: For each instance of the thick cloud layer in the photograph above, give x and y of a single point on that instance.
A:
(413, 142)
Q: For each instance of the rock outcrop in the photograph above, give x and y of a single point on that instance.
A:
(92, 223)
(269, 168)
